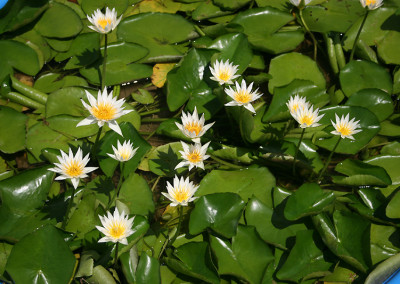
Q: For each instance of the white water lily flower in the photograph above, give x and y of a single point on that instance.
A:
(242, 96)
(123, 152)
(344, 127)
(295, 103)
(307, 117)
(106, 109)
(298, 2)
(182, 191)
(371, 4)
(224, 72)
(193, 127)
(116, 228)
(194, 155)
(104, 23)
(72, 167)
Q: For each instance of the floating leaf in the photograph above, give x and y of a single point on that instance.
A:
(247, 182)
(12, 130)
(59, 21)
(288, 67)
(247, 257)
(359, 75)
(309, 199)
(271, 225)
(262, 27)
(219, 212)
(361, 174)
(148, 270)
(305, 259)
(54, 260)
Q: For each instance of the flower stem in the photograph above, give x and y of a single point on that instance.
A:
(116, 255)
(297, 151)
(328, 161)
(121, 177)
(96, 142)
(180, 209)
(103, 74)
(357, 36)
(309, 32)
(71, 200)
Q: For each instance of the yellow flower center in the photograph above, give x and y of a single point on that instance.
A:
(194, 157)
(242, 97)
(295, 107)
(344, 130)
(103, 22)
(117, 230)
(193, 127)
(74, 169)
(224, 76)
(104, 111)
(370, 2)
(181, 194)
(125, 154)
(307, 119)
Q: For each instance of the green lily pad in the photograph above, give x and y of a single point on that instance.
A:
(22, 196)
(309, 199)
(33, 37)
(359, 75)
(271, 225)
(207, 10)
(187, 80)
(158, 32)
(368, 122)
(278, 110)
(219, 211)
(84, 50)
(288, 67)
(12, 130)
(120, 67)
(66, 125)
(20, 13)
(136, 194)
(390, 164)
(305, 259)
(361, 174)
(54, 260)
(59, 21)
(383, 244)
(52, 82)
(41, 136)
(195, 261)
(247, 257)
(234, 47)
(89, 6)
(332, 15)
(247, 183)
(60, 45)
(17, 55)
(384, 270)
(231, 5)
(377, 101)
(148, 270)
(163, 159)
(70, 97)
(377, 25)
(263, 29)
(108, 164)
(387, 48)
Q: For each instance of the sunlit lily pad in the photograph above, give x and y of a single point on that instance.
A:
(157, 32)
(12, 130)
(261, 25)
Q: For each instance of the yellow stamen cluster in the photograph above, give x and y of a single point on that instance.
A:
(194, 157)
(193, 127)
(74, 169)
(103, 22)
(181, 194)
(243, 97)
(104, 111)
(370, 2)
(117, 230)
